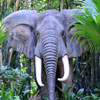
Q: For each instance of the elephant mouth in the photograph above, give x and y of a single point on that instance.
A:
(38, 66)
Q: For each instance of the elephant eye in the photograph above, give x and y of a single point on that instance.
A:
(62, 34)
(71, 27)
(37, 33)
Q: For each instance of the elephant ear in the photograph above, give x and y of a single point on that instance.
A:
(20, 26)
(73, 47)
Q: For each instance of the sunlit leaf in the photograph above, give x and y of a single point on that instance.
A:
(3, 34)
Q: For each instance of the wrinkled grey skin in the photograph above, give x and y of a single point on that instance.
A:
(46, 35)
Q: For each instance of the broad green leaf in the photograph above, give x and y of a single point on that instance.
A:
(86, 98)
(95, 96)
(26, 91)
(3, 34)
(3, 92)
(80, 92)
(16, 98)
(89, 29)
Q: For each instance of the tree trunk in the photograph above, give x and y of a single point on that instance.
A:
(61, 5)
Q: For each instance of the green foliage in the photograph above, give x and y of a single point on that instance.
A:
(89, 29)
(68, 95)
(65, 94)
(42, 5)
(3, 35)
(7, 95)
(90, 6)
(14, 82)
(74, 3)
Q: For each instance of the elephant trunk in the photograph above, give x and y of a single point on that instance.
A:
(50, 58)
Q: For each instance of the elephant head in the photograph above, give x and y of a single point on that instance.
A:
(45, 37)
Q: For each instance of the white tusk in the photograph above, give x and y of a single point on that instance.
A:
(38, 67)
(66, 68)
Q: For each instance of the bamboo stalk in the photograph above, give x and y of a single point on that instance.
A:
(10, 56)
(92, 70)
(61, 5)
(17, 5)
(1, 57)
(97, 67)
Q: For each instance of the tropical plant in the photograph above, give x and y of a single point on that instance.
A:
(7, 95)
(89, 27)
(14, 83)
(80, 95)
(3, 36)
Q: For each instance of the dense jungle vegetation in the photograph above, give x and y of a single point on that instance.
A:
(16, 71)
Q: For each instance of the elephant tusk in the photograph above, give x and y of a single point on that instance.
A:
(66, 68)
(38, 67)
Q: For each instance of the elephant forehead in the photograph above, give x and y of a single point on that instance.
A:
(50, 22)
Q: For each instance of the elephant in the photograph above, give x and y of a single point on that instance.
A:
(46, 38)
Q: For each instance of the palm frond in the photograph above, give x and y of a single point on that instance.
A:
(3, 34)
(89, 27)
(90, 6)
(97, 5)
